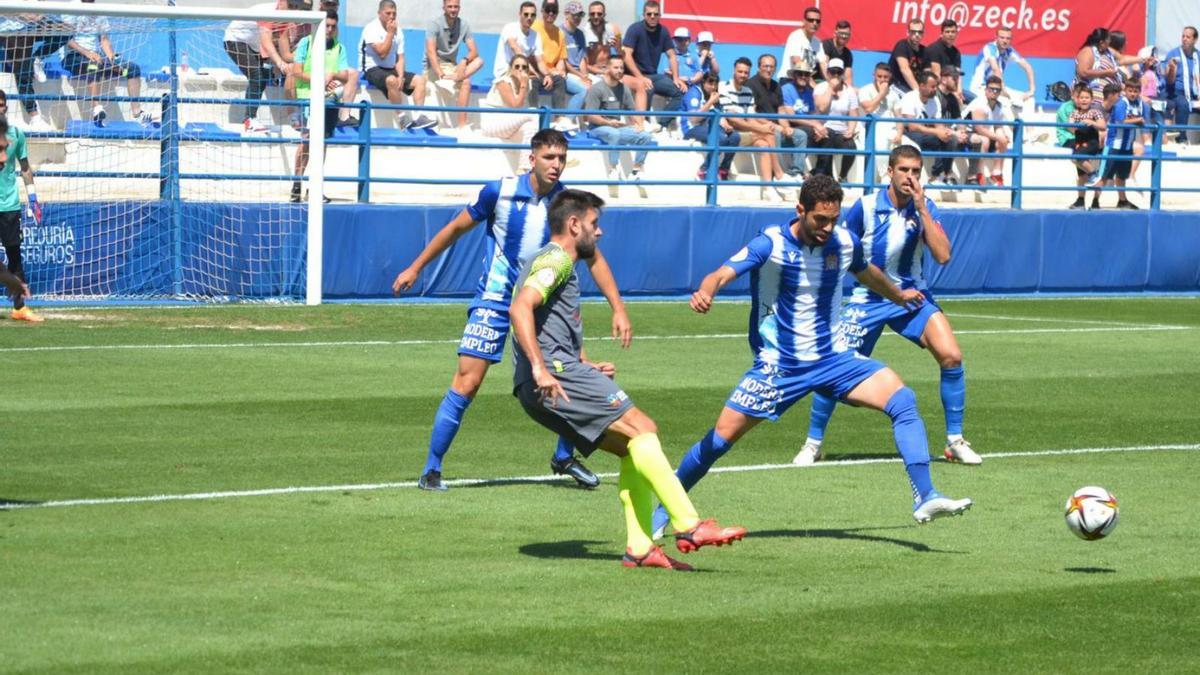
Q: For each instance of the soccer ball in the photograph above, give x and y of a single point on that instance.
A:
(1092, 513)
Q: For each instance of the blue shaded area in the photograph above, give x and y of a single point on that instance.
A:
(126, 249)
(668, 251)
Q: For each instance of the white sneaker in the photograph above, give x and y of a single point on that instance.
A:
(564, 124)
(766, 194)
(636, 177)
(99, 115)
(253, 126)
(784, 190)
(39, 123)
(937, 505)
(808, 455)
(39, 73)
(614, 174)
(960, 451)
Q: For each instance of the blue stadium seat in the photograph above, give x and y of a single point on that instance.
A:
(582, 139)
(419, 136)
(114, 130)
(206, 131)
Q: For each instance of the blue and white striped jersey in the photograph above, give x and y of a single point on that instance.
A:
(517, 228)
(983, 70)
(796, 293)
(892, 240)
(1123, 139)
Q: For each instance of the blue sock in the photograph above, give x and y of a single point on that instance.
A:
(818, 419)
(445, 426)
(909, 432)
(954, 398)
(564, 451)
(694, 465)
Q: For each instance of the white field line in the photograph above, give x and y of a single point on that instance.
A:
(1086, 322)
(467, 482)
(395, 343)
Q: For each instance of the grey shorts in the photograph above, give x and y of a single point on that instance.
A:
(596, 402)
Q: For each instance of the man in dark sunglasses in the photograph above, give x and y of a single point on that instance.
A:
(908, 58)
(644, 46)
(519, 37)
(802, 44)
(836, 47)
(603, 39)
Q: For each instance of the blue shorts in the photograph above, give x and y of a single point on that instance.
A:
(484, 335)
(767, 391)
(862, 323)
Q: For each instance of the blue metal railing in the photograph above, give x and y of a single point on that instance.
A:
(365, 140)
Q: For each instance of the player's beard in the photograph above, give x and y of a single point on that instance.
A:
(586, 250)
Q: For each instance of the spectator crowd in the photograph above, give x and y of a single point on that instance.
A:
(801, 115)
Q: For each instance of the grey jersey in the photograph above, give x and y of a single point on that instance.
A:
(557, 322)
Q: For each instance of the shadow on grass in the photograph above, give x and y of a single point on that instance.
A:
(1090, 570)
(555, 482)
(577, 549)
(858, 534)
(573, 549)
(9, 503)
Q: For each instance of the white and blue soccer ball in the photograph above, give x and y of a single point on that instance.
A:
(1092, 513)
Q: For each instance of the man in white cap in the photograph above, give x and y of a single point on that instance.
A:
(689, 61)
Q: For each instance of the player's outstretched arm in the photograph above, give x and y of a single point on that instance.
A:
(520, 314)
(602, 274)
(873, 278)
(702, 299)
(441, 241)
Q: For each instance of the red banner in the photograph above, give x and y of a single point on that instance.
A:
(1041, 28)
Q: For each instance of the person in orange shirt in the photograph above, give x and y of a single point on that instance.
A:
(551, 76)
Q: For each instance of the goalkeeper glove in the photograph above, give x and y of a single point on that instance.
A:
(34, 209)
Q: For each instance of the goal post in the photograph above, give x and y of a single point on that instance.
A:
(164, 151)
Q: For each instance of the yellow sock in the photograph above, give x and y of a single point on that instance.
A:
(635, 498)
(647, 456)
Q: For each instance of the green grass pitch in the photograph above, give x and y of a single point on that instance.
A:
(523, 576)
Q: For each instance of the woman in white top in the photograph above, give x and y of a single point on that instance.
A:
(510, 91)
(836, 97)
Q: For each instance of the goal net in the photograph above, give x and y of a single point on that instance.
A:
(163, 146)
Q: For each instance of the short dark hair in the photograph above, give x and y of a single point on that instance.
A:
(742, 60)
(767, 56)
(651, 3)
(811, 9)
(1193, 29)
(841, 24)
(1116, 40)
(1081, 88)
(548, 138)
(882, 65)
(949, 23)
(386, 3)
(3, 96)
(925, 75)
(994, 80)
(569, 203)
(1111, 88)
(710, 77)
(903, 152)
(332, 14)
(916, 22)
(820, 189)
(4, 125)
(1134, 81)
(525, 4)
